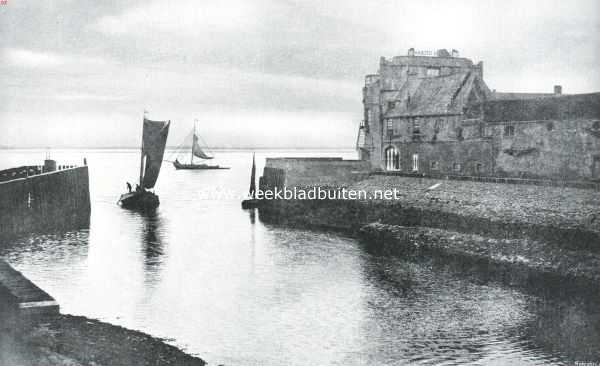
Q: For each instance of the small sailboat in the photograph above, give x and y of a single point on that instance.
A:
(154, 140)
(197, 152)
(252, 202)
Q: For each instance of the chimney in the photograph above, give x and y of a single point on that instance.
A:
(557, 89)
(411, 51)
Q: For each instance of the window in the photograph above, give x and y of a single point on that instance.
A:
(391, 104)
(459, 134)
(509, 130)
(416, 126)
(392, 159)
(416, 129)
(550, 126)
(438, 125)
(390, 127)
(456, 167)
(433, 71)
(415, 166)
(435, 165)
(478, 168)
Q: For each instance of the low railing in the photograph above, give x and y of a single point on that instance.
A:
(27, 171)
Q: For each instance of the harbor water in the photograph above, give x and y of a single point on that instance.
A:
(221, 284)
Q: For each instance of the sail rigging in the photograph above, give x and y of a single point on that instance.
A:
(154, 140)
(197, 150)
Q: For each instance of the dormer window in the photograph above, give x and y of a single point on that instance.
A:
(433, 71)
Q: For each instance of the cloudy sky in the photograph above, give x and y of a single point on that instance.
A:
(259, 72)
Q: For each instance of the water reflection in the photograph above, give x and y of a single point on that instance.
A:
(235, 291)
(152, 238)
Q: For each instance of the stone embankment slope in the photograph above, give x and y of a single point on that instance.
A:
(547, 234)
(66, 340)
(527, 261)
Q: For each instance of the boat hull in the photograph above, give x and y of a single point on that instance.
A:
(141, 200)
(251, 203)
(196, 166)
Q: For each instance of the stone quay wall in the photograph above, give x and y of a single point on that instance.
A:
(45, 202)
(301, 172)
(568, 217)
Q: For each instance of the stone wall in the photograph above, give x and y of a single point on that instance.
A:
(302, 172)
(56, 200)
(395, 72)
(469, 157)
(562, 150)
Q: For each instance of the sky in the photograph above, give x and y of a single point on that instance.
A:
(259, 73)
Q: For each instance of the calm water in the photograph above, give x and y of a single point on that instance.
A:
(217, 282)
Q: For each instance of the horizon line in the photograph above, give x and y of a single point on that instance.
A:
(3, 147)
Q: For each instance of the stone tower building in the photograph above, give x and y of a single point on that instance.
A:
(432, 113)
(416, 99)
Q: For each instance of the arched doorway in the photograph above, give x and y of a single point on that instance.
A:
(392, 159)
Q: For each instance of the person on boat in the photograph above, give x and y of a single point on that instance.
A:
(129, 187)
(137, 188)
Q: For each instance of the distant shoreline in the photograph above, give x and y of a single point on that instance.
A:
(175, 147)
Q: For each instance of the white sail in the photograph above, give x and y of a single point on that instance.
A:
(197, 150)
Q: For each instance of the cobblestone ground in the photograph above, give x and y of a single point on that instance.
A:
(550, 206)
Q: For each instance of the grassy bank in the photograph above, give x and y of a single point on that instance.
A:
(66, 340)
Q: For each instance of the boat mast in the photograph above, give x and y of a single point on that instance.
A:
(142, 151)
(193, 141)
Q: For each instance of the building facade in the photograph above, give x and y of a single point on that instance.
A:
(433, 113)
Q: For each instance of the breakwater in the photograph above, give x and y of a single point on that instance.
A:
(50, 201)
(566, 216)
(351, 215)
(524, 262)
(542, 235)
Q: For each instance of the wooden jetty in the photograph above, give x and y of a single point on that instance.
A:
(20, 299)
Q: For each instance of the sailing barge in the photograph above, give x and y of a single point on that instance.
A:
(197, 152)
(154, 140)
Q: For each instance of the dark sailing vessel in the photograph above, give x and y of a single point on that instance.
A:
(252, 202)
(154, 140)
(198, 152)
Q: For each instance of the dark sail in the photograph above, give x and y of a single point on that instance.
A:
(253, 178)
(154, 141)
(197, 150)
